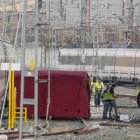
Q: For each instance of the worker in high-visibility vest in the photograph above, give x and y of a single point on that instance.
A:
(112, 102)
(106, 99)
(98, 89)
(91, 83)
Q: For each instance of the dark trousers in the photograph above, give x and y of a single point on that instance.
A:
(97, 99)
(113, 105)
(106, 105)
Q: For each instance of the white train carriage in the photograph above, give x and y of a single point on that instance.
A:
(116, 63)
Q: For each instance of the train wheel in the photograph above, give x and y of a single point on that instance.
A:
(138, 99)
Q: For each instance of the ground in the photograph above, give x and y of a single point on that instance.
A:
(98, 129)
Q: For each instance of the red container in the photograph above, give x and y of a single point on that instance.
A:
(69, 94)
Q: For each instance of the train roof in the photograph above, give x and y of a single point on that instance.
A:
(101, 52)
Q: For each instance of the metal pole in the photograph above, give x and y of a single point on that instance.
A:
(9, 99)
(54, 35)
(89, 13)
(4, 18)
(135, 63)
(122, 7)
(48, 100)
(36, 66)
(54, 44)
(55, 47)
(115, 55)
(97, 41)
(23, 44)
(93, 54)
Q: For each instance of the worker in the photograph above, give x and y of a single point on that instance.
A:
(91, 83)
(106, 97)
(90, 87)
(112, 102)
(98, 89)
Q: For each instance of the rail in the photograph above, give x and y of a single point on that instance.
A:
(78, 131)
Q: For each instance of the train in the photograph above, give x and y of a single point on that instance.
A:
(116, 64)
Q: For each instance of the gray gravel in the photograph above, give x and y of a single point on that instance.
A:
(125, 105)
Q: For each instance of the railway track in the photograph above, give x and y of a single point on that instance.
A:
(120, 124)
(127, 96)
(78, 131)
(13, 134)
(82, 129)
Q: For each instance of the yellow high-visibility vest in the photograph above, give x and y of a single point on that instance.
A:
(91, 84)
(98, 85)
(108, 96)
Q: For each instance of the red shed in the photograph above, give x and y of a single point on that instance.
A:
(69, 94)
